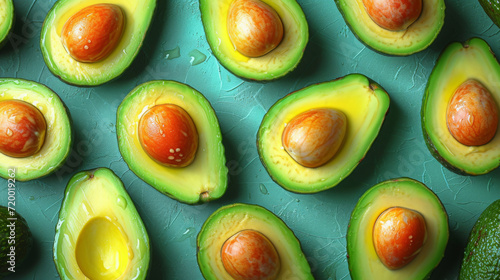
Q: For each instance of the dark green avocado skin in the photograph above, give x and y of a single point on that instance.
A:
(482, 254)
(492, 9)
(23, 240)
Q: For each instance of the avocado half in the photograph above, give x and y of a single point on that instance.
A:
(364, 104)
(205, 179)
(138, 16)
(403, 192)
(276, 63)
(457, 63)
(415, 38)
(231, 219)
(6, 20)
(100, 234)
(58, 138)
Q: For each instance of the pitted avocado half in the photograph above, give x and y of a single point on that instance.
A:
(58, 137)
(205, 179)
(6, 20)
(273, 65)
(415, 38)
(460, 62)
(138, 16)
(364, 262)
(100, 234)
(364, 104)
(231, 219)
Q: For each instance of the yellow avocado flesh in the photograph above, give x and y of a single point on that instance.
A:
(458, 65)
(404, 42)
(136, 15)
(363, 260)
(232, 219)
(364, 105)
(269, 66)
(58, 136)
(98, 235)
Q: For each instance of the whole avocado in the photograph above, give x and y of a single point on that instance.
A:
(492, 9)
(483, 246)
(13, 224)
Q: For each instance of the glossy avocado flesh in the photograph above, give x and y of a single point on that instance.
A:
(6, 19)
(99, 234)
(205, 178)
(483, 247)
(458, 63)
(492, 9)
(58, 138)
(273, 65)
(231, 219)
(138, 15)
(403, 192)
(365, 105)
(415, 38)
(22, 240)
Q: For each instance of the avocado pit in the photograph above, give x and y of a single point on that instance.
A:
(394, 15)
(22, 129)
(254, 27)
(249, 255)
(312, 138)
(168, 135)
(398, 236)
(472, 114)
(93, 33)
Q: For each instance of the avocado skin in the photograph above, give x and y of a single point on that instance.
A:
(23, 240)
(482, 254)
(492, 9)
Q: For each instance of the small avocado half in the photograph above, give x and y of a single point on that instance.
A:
(99, 234)
(231, 219)
(58, 138)
(6, 20)
(138, 16)
(403, 192)
(415, 38)
(364, 104)
(457, 63)
(205, 179)
(273, 65)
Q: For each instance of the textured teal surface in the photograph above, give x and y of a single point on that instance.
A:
(319, 220)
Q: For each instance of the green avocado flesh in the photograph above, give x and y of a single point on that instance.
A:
(492, 9)
(22, 241)
(458, 63)
(231, 219)
(403, 192)
(58, 138)
(273, 65)
(364, 104)
(483, 247)
(205, 179)
(415, 38)
(138, 15)
(6, 19)
(99, 234)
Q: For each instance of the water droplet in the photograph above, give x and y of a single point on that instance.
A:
(31, 198)
(263, 189)
(197, 57)
(130, 254)
(9, 132)
(173, 53)
(121, 201)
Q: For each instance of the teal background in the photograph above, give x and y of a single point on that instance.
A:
(319, 220)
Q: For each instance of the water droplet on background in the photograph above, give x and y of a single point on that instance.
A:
(197, 57)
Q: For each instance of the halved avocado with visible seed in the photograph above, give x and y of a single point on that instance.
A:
(205, 178)
(100, 234)
(277, 63)
(458, 63)
(6, 20)
(364, 263)
(138, 16)
(232, 219)
(415, 38)
(58, 136)
(364, 104)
